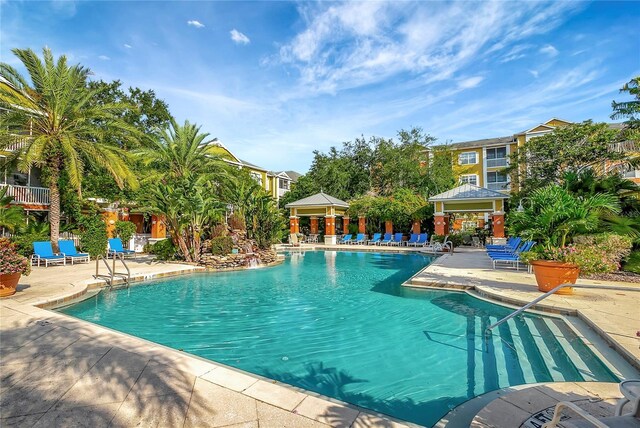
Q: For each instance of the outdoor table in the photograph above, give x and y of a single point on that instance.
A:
(630, 389)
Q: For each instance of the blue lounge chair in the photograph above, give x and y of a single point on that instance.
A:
(361, 238)
(525, 246)
(42, 251)
(68, 250)
(511, 246)
(397, 239)
(375, 240)
(412, 239)
(345, 239)
(115, 247)
(388, 238)
(421, 241)
(514, 258)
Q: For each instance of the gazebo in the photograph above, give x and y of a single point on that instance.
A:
(316, 206)
(469, 199)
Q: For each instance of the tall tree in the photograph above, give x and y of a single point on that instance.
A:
(66, 131)
(629, 110)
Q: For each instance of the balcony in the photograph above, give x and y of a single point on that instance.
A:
(497, 162)
(26, 195)
(499, 186)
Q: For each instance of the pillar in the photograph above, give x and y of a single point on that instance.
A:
(294, 224)
(314, 225)
(441, 224)
(415, 226)
(330, 229)
(110, 218)
(388, 226)
(158, 228)
(362, 224)
(345, 224)
(498, 225)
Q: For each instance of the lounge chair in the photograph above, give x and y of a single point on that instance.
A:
(43, 251)
(511, 246)
(620, 421)
(361, 238)
(412, 239)
(345, 239)
(513, 258)
(375, 240)
(421, 241)
(397, 239)
(526, 246)
(115, 248)
(68, 250)
(387, 239)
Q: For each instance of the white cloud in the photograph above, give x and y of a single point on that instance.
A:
(195, 23)
(103, 57)
(239, 37)
(534, 73)
(127, 46)
(470, 82)
(549, 50)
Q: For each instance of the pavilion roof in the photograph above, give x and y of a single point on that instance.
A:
(319, 199)
(468, 192)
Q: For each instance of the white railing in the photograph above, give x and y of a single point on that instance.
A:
(19, 142)
(492, 163)
(27, 194)
(498, 186)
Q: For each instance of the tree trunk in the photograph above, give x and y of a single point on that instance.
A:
(54, 205)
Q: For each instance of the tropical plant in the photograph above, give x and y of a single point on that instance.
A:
(11, 216)
(125, 230)
(11, 261)
(163, 250)
(221, 245)
(65, 130)
(93, 235)
(29, 233)
(629, 109)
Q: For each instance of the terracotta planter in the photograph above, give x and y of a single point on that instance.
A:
(8, 284)
(549, 274)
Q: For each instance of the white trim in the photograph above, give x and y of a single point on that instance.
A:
(484, 164)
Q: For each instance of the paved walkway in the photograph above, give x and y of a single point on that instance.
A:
(56, 370)
(615, 315)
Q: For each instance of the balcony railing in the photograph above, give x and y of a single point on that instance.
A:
(19, 141)
(492, 163)
(28, 195)
(498, 186)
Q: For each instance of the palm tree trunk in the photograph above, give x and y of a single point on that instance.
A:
(54, 206)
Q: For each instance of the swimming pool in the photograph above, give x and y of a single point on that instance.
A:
(341, 324)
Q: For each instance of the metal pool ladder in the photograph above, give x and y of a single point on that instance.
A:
(112, 273)
(487, 331)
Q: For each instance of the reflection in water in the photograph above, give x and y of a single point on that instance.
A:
(330, 261)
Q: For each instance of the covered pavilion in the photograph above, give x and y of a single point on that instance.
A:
(469, 199)
(319, 206)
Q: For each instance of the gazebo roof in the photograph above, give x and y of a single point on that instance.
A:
(319, 199)
(468, 192)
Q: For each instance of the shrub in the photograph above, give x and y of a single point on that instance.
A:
(219, 230)
(632, 264)
(456, 239)
(93, 235)
(11, 261)
(29, 234)
(236, 222)
(221, 246)
(163, 250)
(125, 231)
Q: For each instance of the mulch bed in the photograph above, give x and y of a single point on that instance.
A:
(616, 276)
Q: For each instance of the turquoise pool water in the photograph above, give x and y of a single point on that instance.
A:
(340, 324)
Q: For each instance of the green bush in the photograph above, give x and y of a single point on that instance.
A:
(125, 231)
(163, 250)
(633, 262)
(93, 235)
(29, 234)
(221, 246)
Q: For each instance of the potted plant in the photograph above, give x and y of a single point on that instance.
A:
(12, 266)
(553, 218)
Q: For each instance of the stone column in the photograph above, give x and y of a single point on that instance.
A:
(442, 224)
(415, 226)
(498, 225)
(345, 224)
(158, 228)
(362, 224)
(330, 230)
(110, 217)
(294, 224)
(314, 225)
(388, 226)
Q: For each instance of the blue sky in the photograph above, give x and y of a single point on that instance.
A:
(277, 80)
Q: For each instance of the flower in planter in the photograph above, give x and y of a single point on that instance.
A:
(10, 261)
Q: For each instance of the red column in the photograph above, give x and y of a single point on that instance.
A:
(415, 227)
(388, 226)
(362, 224)
(314, 225)
(345, 224)
(330, 226)
(498, 225)
(294, 225)
(442, 224)
(158, 228)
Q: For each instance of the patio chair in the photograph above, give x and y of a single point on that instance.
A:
(412, 239)
(397, 239)
(388, 238)
(43, 251)
(68, 250)
(361, 238)
(622, 421)
(115, 247)
(421, 241)
(375, 240)
(345, 239)
(513, 258)
(511, 246)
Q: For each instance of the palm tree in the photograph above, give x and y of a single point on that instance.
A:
(11, 216)
(66, 130)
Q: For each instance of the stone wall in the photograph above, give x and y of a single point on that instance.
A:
(248, 254)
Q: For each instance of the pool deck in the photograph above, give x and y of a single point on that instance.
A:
(56, 370)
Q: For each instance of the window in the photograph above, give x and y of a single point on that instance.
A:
(497, 180)
(257, 176)
(468, 158)
(497, 157)
(283, 184)
(469, 179)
